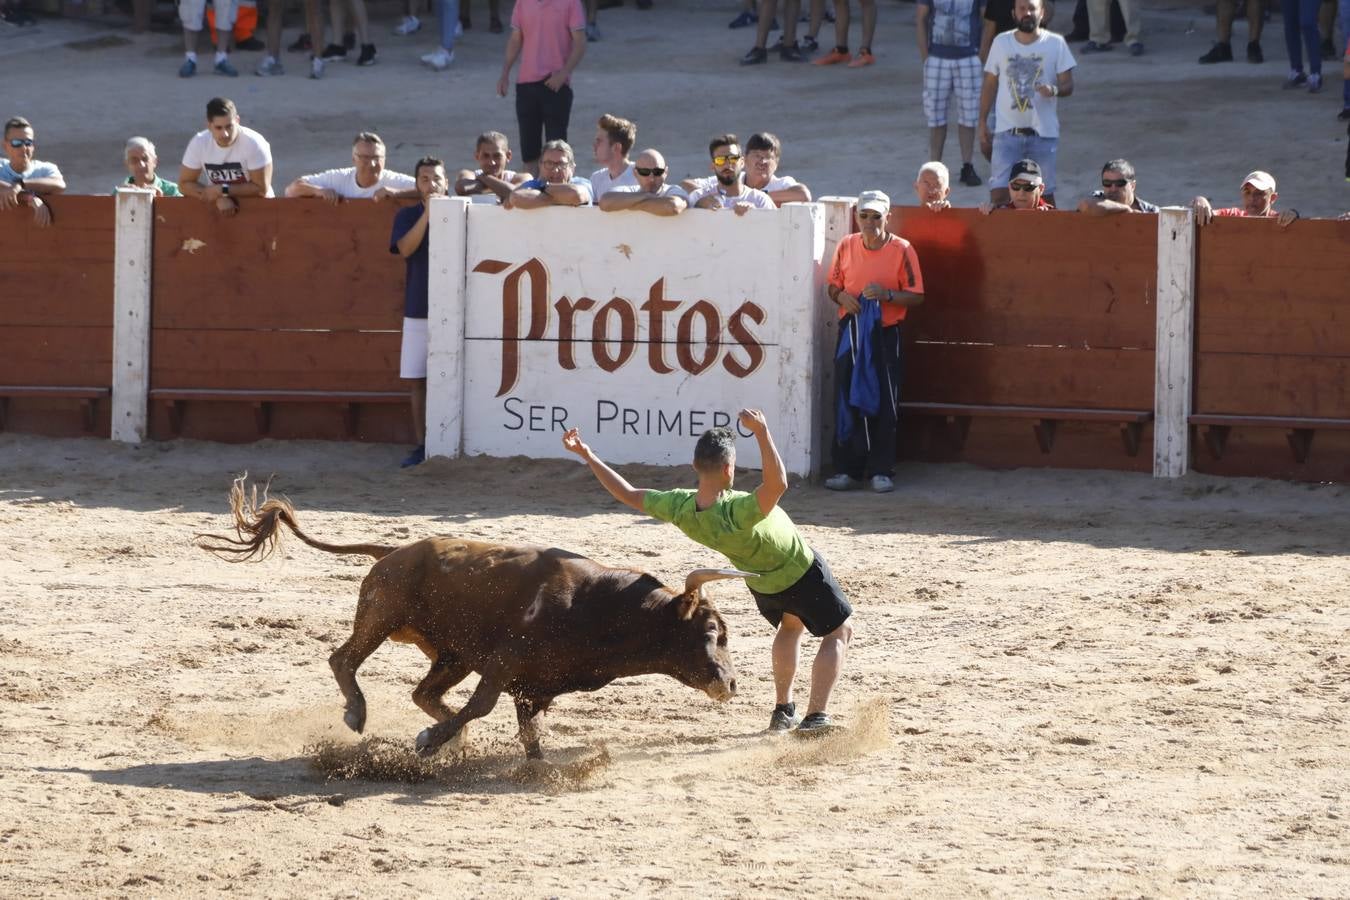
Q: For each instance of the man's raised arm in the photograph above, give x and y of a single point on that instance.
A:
(613, 482)
(775, 476)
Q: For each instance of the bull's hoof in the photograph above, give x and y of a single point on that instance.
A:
(355, 719)
(424, 746)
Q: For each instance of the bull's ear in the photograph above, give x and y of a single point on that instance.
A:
(693, 587)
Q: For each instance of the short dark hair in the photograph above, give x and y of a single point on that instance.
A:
(17, 122)
(491, 137)
(764, 140)
(619, 131)
(219, 106)
(1122, 166)
(722, 140)
(367, 137)
(715, 449)
(426, 161)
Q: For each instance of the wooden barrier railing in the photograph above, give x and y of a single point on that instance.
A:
(56, 316)
(1047, 318)
(283, 321)
(1272, 349)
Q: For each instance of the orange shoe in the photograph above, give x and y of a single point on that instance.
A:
(834, 56)
(864, 58)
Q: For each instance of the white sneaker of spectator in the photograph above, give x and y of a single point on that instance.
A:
(315, 67)
(409, 25)
(440, 60)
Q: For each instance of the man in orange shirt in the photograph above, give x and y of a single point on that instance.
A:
(874, 279)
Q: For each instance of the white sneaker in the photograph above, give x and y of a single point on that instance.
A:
(316, 66)
(882, 484)
(440, 60)
(841, 482)
(409, 25)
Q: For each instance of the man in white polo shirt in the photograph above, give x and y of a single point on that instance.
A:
(728, 191)
(237, 161)
(614, 138)
(366, 178)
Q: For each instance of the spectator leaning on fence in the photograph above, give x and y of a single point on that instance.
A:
(949, 49)
(409, 240)
(1027, 189)
(24, 181)
(874, 279)
(558, 184)
(549, 39)
(142, 163)
(728, 191)
(492, 181)
(763, 152)
(237, 160)
(1258, 201)
(614, 138)
(366, 178)
(1117, 194)
(651, 194)
(932, 187)
(1028, 70)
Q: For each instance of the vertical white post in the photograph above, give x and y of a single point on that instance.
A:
(800, 244)
(1172, 380)
(131, 314)
(838, 223)
(445, 326)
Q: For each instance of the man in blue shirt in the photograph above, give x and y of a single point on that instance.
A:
(557, 184)
(409, 240)
(24, 181)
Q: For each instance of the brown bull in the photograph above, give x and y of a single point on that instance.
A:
(533, 622)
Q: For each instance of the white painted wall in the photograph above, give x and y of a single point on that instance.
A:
(132, 260)
(754, 276)
(1173, 384)
(445, 326)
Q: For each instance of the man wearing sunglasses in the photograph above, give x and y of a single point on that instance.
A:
(1117, 194)
(1026, 186)
(1258, 201)
(874, 279)
(651, 194)
(729, 191)
(25, 180)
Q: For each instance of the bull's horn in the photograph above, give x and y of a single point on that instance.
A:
(700, 577)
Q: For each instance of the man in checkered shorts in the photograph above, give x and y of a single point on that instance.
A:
(949, 46)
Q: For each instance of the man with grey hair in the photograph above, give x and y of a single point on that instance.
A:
(1117, 194)
(558, 183)
(141, 163)
(652, 194)
(933, 186)
(366, 178)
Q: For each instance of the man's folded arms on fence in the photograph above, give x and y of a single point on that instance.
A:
(24, 181)
(652, 194)
(1117, 195)
(236, 160)
(557, 184)
(1258, 201)
(492, 181)
(728, 189)
(1026, 188)
(366, 178)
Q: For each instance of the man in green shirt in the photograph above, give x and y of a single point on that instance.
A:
(793, 586)
(141, 162)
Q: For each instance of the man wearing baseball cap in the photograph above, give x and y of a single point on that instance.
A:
(1025, 187)
(1258, 201)
(874, 279)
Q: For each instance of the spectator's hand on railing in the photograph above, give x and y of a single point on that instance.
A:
(848, 302)
(742, 208)
(986, 208)
(381, 193)
(1343, 217)
(937, 205)
(226, 206)
(42, 213)
(1286, 218)
(9, 196)
(328, 195)
(1203, 211)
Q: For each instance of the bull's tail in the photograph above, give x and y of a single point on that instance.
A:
(257, 533)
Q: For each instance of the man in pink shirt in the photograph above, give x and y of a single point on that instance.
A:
(549, 39)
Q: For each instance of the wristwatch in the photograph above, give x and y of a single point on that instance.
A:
(224, 190)
(543, 188)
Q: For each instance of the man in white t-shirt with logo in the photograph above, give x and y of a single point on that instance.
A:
(728, 190)
(1027, 71)
(651, 194)
(762, 154)
(236, 161)
(365, 179)
(614, 138)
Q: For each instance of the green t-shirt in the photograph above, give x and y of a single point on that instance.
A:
(770, 546)
(166, 187)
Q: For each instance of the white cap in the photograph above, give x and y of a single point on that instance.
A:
(877, 201)
(1262, 181)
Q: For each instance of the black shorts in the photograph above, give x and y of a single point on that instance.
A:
(815, 598)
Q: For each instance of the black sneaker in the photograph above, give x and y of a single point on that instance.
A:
(969, 177)
(1222, 51)
(302, 45)
(808, 44)
(349, 40)
(791, 53)
(784, 717)
(333, 53)
(1295, 80)
(756, 56)
(1254, 54)
(816, 721)
(367, 57)
(1343, 115)
(250, 43)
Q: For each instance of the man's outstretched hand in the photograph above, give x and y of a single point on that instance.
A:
(572, 443)
(753, 421)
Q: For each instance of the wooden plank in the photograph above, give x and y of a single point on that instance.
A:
(279, 264)
(131, 301)
(1265, 421)
(1023, 376)
(236, 423)
(56, 356)
(1009, 443)
(1267, 384)
(1173, 375)
(1265, 453)
(60, 275)
(276, 360)
(1067, 413)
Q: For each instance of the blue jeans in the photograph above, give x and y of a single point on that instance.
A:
(449, 12)
(1300, 32)
(1009, 148)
